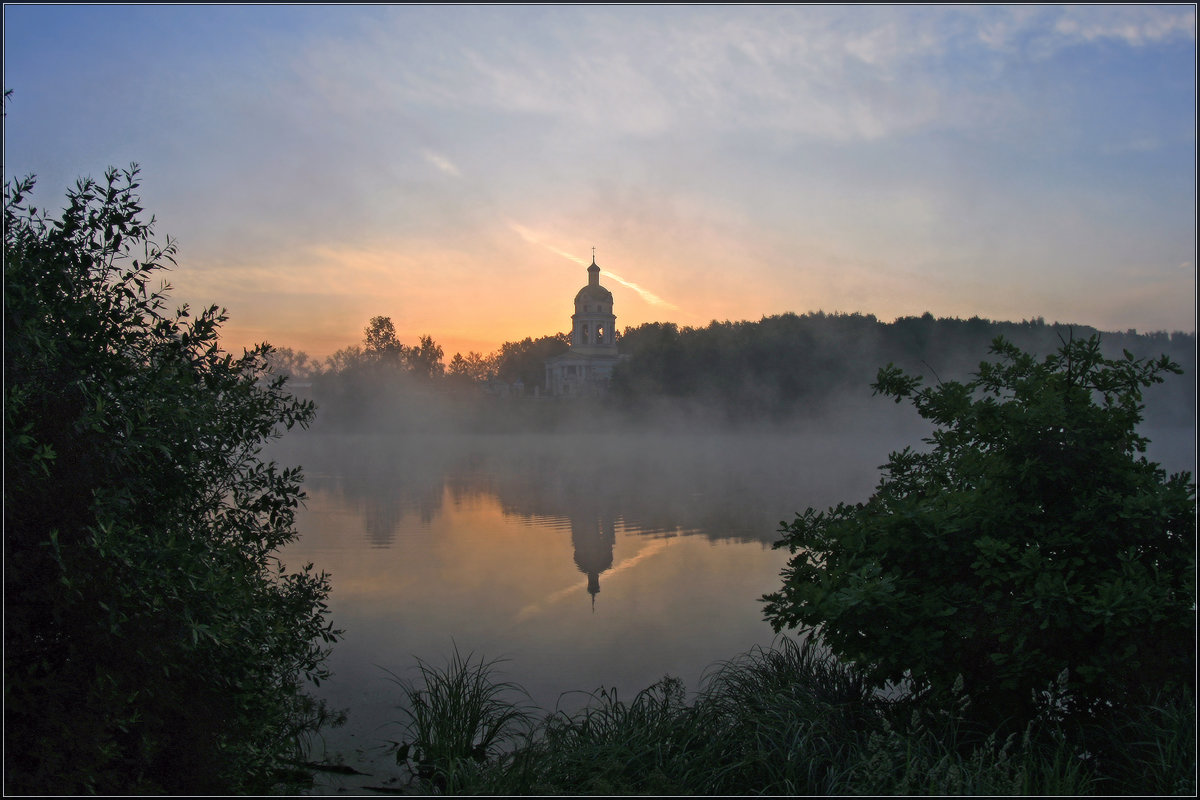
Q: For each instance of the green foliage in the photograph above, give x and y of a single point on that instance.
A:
(153, 641)
(344, 361)
(611, 746)
(792, 720)
(920, 758)
(1029, 539)
(744, 374)
(785, 720)
(789, 719)
(458, 717)
(791, 364)
(1152, 747)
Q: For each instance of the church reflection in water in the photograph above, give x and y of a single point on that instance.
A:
(399, 492)
(655, 487)
(593, 539)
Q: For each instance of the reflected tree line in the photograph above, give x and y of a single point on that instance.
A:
(728, 373)
(592, 486)
(804, 377)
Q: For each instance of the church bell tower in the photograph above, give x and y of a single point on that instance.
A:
(593, 323)
(587, 367)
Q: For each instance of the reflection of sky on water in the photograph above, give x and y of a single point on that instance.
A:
(493, 584)
(591, 584)
(720, 486)
(586, 561)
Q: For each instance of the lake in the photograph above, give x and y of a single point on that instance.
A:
(584, 560)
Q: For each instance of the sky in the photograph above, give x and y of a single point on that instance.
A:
(452, 167)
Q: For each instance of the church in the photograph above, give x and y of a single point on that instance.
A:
(586, 369)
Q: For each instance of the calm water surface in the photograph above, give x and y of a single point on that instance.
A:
(584, 560)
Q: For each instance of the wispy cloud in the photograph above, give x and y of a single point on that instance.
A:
(727, 149)
(823, 72)
(645, 294)
(1135, 25)
(442, 163)
(533, 238)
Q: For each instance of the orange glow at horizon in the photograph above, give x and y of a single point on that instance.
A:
(319, 166)
(507, 282)
(320, 300)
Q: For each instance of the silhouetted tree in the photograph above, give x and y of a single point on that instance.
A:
(293, 363)
(425, 360)
(153, 642)
(473, 368)
(1031, 539)
(345, 360)
(380, 342)
(526, 360)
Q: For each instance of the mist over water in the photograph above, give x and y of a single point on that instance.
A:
(587, 558)
(593, 552)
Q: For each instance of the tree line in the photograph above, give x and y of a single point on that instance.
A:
(790, 363)
(779, 367)
(425, 361)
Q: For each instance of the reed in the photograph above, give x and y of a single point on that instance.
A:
(789, 719)
(460, 716)
(1149, 749)
(784, 720)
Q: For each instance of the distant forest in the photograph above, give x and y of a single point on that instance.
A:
(778, 368)
(788, 363)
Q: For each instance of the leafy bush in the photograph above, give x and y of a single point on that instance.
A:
(1029, 539)
(153, 641)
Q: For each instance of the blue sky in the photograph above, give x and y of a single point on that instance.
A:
(452, 166)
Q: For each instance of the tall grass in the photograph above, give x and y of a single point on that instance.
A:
(1152, 748)
(788, 719)
(459, 718)
(609, 747)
